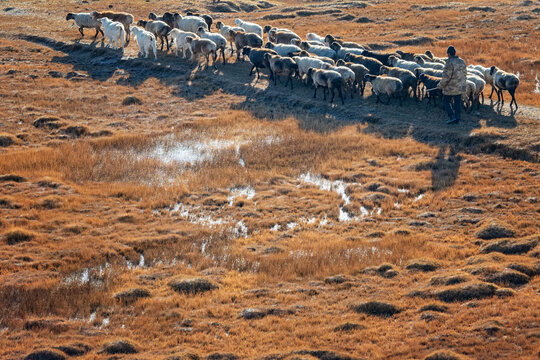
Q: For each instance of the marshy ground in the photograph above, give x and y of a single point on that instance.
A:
(150, 211)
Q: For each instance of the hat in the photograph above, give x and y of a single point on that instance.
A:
(451, 51)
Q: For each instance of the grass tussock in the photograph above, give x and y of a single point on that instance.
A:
(18, 235)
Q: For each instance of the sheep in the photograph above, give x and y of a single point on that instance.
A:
(474, 71)
(428, 64)
(409, 56)
(224, 31)
(283, 49)
(431, 83)
(243, 39)
(179, 38)
(257, 58)
(218, 39)
(297, 42)
(207, 19)
(167, 18)
(487, 76)
(272, 31)
(384, 58)
(504, 81)
(349, 77)
(145, 40)
(189, 23)
(468, 95)
(385, 85)
(479, 84)
(202, 47)
(329, 39)
(281, 66)
(114, 31)
(305, 63)
(373, 65)
(429, 54)
(316, 38)
(427, 71)
(408, 79)
(304, 53)
(123, 18)
(157, 27)
(404, 64)
(85, 20)
(327, 79)
(281, 37)
(359, 72)
(341, 51)
(249, 27)
(318, 50)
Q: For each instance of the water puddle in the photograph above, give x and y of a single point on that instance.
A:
(247, 191)
(133, 266)
(187, 212)
(419, 197)
(191, 152)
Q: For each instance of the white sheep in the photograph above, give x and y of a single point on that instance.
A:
(348, 76)
(474, 71)
(342, 51)
(218, 39)
(306, 63)
(179, 38)
(428, 64)
(390, 86)
(249, 27)
(318, 50)
(317, 38)
(487, 76)
(189, 23)
(85, 20)
(404, 64)
(283, 49)
(468, 95)
(479, 85)
(114, 31)
(145, 40)
(504, 81)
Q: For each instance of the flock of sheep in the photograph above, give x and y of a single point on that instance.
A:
(328, 62)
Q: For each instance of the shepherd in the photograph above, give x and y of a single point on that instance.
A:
(453, 84)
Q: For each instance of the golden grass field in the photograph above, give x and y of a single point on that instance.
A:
(313, 231)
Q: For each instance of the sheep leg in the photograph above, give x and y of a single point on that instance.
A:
(223, 55)
(502, 97)
(215, 58)
(340, 95)
(482, 93)
(315, 93)
(258, 74)
(251, 71)
(492, 89)
(513, 93)
(167, 40)
(82, 31)
(324, 93)
(333, 95)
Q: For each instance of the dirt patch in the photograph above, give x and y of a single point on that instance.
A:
(482, 8)
(418, 40)
(119, 347)
(131, 295)
(278, 16)
(346, 327)
(444, 355)
(74, 349)
(8, 140)
(509, 247)
(376, 308)
(305, 13)
(192, 286)
(45, 355)
(131, 100)
(467, 292)
(495, 230)
(424, 265)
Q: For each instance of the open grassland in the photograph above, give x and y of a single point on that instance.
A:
(226, 218)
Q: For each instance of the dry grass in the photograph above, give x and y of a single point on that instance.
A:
(106, 209)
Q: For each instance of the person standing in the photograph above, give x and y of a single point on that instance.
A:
(453, 84)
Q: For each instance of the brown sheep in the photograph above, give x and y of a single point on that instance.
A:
(123, 18)
(281, 66)
(242, 39)
(282, 37)
(202, 47)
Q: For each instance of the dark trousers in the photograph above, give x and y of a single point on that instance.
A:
(452, 105)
